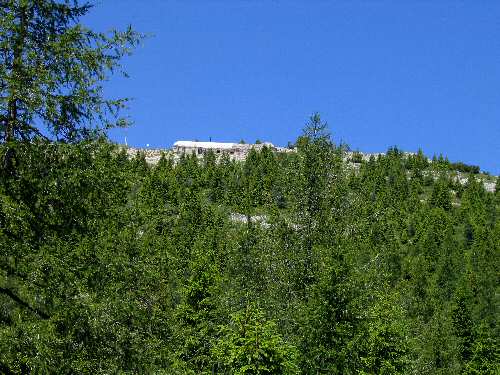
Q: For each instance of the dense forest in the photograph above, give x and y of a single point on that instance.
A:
(111, 265)
(315, 261)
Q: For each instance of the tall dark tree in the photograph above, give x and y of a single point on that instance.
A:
(52, 68)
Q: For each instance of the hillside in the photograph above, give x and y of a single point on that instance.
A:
(314, 262)
(458, 172)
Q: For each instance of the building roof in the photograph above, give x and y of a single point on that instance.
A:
(215, 145)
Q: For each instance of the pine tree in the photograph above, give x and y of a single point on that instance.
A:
(315, 152)
(441, 195)
(52, 68)
(250, 344)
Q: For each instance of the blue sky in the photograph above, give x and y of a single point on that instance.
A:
(407, 73)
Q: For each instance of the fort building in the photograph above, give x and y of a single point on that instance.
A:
(236, 151)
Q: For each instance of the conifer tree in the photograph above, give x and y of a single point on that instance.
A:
(441, 195)
(250, 344)
(52, 68)
(315, 150)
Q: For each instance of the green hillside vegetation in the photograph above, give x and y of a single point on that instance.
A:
(110, 265)
(285, 263)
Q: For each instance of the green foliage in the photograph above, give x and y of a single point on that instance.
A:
(462, 167)
(282, 263)
(441, 195)
(250, 344)
(331, 322)
(485, 353)
(418, 161)
(357, 157)
(52, 69)
(384, 338)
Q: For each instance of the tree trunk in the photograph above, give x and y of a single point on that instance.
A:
(8, 159)
(11, 120)
(16, 73)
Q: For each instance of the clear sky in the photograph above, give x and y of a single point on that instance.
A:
(407, 73)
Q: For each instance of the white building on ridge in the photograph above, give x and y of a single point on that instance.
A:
(236, 151)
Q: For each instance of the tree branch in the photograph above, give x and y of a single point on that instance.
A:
(4, 369)
(24, 304)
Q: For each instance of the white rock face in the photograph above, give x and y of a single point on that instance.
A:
(235, 151)
(489, 186)
(257, 219)
(152, 156)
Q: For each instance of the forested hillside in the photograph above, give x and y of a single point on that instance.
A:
(306, 262)
(109, 265)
